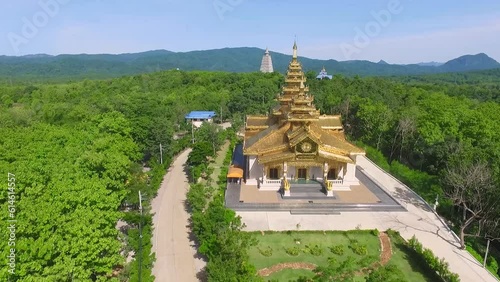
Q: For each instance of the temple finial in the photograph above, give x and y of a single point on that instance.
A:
(295, 49)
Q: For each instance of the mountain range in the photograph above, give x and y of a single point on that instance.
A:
(242, 59)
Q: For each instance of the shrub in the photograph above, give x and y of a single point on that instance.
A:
(375, 232)
(359, 249)
(338, 249)
(440, 266)
(315, 250)
(367, 260)
(293, 251)
(332, 261)
(385, 273)
(392, 233)
(267, 252)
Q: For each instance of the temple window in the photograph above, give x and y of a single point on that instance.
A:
(273, 173)
(331, 174)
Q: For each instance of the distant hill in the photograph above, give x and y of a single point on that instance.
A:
(244, 59)
(470, 62)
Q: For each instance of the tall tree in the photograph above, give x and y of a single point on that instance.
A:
(471, 188)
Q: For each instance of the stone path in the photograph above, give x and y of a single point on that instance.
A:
(286, 265)
(385, 248)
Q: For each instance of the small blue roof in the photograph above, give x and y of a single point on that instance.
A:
(200, 114)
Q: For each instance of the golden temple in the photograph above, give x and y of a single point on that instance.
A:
(296, 142)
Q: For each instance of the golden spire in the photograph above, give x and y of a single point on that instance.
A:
(294, 49)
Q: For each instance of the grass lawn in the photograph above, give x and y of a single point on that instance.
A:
(289, 275)
(320, 242)
(272, 249)
(280, 241)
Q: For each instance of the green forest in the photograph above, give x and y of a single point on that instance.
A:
(73, 154)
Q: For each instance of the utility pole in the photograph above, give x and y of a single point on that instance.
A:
(192, 131)
(161, 155)
(486, 254)
(221, 120)
(140, 238)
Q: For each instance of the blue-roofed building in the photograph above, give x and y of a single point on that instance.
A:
(323, 74)
(198, 117)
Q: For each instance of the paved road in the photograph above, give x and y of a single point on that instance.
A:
(175, 253)
(419, 221)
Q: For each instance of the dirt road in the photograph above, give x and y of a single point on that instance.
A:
(175, 252)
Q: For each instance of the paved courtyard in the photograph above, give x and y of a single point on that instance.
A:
(419, 220)
(359, 194)
(368, 196)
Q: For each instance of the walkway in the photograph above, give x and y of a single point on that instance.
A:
(176, 258)
(420, 220)
(218, 163)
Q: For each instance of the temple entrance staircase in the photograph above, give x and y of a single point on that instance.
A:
(306, 189)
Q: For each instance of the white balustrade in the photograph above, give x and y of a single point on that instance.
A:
(272, 181)
(336, 181)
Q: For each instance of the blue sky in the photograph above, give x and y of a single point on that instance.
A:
(405, 31)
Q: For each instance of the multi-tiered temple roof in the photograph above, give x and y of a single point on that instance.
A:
(276, 137)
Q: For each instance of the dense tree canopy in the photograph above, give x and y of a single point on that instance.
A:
(77, 149)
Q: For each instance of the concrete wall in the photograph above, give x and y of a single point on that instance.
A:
(254, 170)
(350, 176)
(291, 172)
(316, 173)
(199, 122)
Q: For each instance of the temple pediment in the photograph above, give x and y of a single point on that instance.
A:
(298, 135)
